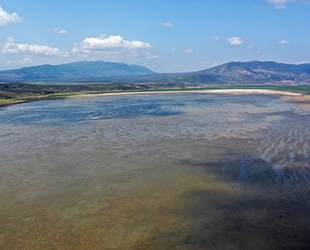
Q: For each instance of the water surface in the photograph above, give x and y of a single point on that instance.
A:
(181, 171)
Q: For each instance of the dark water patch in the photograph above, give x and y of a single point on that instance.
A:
(253, 207)
(84, 110)
(73, 111)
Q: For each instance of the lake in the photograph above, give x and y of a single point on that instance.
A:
(161, 171)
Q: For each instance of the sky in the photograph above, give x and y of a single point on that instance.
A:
(163, 35)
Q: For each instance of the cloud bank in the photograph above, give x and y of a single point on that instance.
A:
(112, 45)
(92, 48)
(11, 47)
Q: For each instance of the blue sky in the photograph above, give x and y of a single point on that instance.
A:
(164, 35)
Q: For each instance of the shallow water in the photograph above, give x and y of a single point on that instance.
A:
(181, 171)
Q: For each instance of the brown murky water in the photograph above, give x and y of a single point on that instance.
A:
(180, 171)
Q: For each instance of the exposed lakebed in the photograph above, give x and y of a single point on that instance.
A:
(166, 171)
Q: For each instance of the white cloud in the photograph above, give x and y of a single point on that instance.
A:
(152, 57)
(280, 4)
(258, 51)
(283, 42)
(188, 51)
(167, 24)
(250, 47)
(112, 45)
(173, 49)
(58, 31)
(6, 18)
(11, 47)
(178, 66)
(235, 40)
(216, 38)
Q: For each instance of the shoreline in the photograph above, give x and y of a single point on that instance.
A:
(289, 95)
(205, 91)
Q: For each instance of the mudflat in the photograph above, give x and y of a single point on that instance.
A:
(185, 171)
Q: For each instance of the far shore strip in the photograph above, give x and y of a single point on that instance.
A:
(286, 95)
(213, 91)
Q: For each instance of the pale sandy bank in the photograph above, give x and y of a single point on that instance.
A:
(217, 91)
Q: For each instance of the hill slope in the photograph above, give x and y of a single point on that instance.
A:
(254, 72)
(87, 70)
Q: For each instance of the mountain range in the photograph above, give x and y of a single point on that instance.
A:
(250, 72)
(254, 72)
(77, 71)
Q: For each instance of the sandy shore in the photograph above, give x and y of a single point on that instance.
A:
(216, 91)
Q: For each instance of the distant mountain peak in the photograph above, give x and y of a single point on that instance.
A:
(81, 70)
(253, 72)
